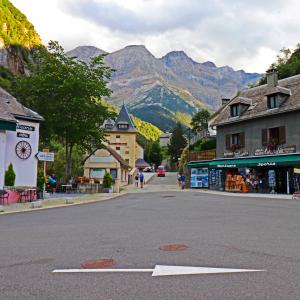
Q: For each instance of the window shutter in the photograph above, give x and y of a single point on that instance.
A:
(264, 137)
(228, 141)
(282, 139)
(242, 139)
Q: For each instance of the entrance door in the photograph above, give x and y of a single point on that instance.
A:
(281, 181)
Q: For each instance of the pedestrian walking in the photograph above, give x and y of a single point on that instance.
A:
(179, 179)
(142, 178)
(136, 179)
(182, 180)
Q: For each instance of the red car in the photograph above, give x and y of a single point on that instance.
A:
(161, 171)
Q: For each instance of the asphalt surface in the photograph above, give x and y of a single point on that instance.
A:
(220, 231)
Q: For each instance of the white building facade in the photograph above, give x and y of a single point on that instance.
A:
(19, 140)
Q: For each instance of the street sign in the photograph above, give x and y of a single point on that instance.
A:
(162, 270)
(45, 156)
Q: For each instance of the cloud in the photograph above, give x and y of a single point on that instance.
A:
(240, 33)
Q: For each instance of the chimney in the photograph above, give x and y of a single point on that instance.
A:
(225, 101)
(272, 78)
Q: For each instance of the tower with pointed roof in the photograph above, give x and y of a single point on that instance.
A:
(121, 136)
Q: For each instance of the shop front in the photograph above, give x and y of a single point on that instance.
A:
(263, 174)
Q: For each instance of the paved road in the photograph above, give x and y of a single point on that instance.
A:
(220, 231)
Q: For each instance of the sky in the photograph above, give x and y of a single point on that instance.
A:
(244, 34)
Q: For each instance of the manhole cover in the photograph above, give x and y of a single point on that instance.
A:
(169, 196)
(97, 263)
(173, 248)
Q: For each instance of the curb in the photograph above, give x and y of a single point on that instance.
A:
(61, 205)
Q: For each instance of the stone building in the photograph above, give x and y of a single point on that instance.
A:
(258, 136)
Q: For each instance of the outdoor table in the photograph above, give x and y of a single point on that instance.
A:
(66, 188)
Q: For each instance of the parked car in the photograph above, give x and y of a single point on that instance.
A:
(161, 171)
(148, 169)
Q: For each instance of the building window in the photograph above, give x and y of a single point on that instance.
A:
(272, 137)
(235, 141)
(273, 101)
(97, 173)
(123, 126)
(118, 136)
(127, 160)
(114, 173)
(108, 126)
(118, 148)
(235, 110)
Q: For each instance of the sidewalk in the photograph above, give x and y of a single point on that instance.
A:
(252, 195)
(70, 200)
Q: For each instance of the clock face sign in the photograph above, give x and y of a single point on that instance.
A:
(23, 150)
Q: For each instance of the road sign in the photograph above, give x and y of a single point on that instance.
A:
(45, 156)
(162, 270)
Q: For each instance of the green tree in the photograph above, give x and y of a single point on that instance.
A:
(200, 120)
(155, 154)
(10, 176)
(287, 64)
(177, 143)
(107, 180)
(67, 93)
(40, 179)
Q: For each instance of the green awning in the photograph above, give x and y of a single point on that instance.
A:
(199, 164)
(254, 161)
(8, 126)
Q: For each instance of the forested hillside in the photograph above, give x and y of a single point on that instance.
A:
(287, 64)
(17, 38)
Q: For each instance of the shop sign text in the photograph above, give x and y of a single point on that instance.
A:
(279, 150)
(226, 166)
(236, 154)
(23, 135)
(25, 127)
(266, 164)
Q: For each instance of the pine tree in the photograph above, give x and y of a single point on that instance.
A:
(10, 176)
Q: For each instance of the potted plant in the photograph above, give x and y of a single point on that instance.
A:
(107, 183)
(41, 180)
(234, 147)
(10, 176)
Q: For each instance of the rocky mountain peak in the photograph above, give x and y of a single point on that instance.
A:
(85, 53)
(209, 64)
(175, 57)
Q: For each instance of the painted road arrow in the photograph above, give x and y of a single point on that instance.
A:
(160, 270)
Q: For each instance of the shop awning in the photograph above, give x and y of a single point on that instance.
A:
(254, 161)
(199, 164)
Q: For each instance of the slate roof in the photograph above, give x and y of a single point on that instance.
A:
(289, 87)
(123, 119)
(11, 109)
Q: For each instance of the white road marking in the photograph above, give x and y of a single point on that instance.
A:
(160, 270)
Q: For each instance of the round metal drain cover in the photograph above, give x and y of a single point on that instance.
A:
(176, 247)
(97, 263)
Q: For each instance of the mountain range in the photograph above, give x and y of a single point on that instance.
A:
(165, 90)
